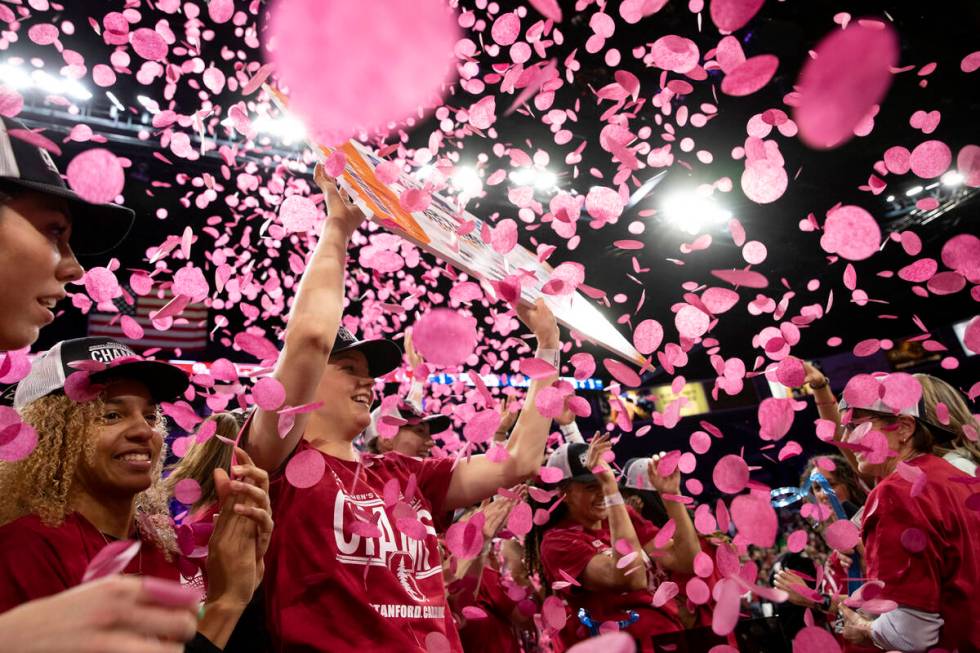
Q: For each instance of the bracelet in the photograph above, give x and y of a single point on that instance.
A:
(826, 382)
(611, 500)
(552, 356)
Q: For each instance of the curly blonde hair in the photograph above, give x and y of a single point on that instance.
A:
(42, 483)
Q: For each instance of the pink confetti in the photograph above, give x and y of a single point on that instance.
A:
(790, 372)
(221, 11)
(914, 540)
(553, 613)
(519, 521)
(842, 535)
(719, 300)
(675, 53)
(11, 102)
(647, 336)
(970, 62)
(747, 278)
(622, 372)
(814, 639)
(967, 162)
(111, 559)
(775, 418)
(755, 519)
(503, 237)
(764, 181)
(930, 159)
(148, 44)
(797, 540)
(17, 439)
(962, 254)
(445, 337)
(750, 76)
(506, 29)
(730, 15)
(481, 427)
(187, 491)
(96, 175)
(269, 394)
(547, 8)
(731, 474)
(901, 391)
(850, 73)
(725, 615)
(609, 642)
(256, 346)
(305, 469)
(604, 204)
(465, 539)
(665, 592)
(550, 474)
(386, 78)
(43, 33)
(536, 368)
(851, 232)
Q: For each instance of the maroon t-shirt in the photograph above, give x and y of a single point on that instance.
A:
(570, 547)
(38, 560)
(343, 572)
(494, 633)
(945, 576)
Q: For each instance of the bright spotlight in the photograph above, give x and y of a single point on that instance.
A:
(14, 76)
(285, 128)
(915, 190)
(952, 179)
(523, 176)
(692, 212)
(544, 180)
(467, 181)
(890, 198)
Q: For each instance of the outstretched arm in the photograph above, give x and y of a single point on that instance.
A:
(311, 330)
(476, 478)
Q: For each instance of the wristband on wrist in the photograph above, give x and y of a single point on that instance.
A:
(611, 500)
(552, 356)
(826, 382)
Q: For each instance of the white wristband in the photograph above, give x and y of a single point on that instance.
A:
(552, 356)
(611, 500)
(571, 432)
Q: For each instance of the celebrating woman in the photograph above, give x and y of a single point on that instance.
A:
(608, 549)
(355, 564)
(94, 479)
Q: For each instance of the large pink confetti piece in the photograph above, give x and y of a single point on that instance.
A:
(550, 474)
(962, 254)
(731, 474)
(724, 617)
(930, 159)
(148, 44)
(36, 139)
(750, 76)
(385, 78)
(790, 449)
(901, 391)
(445, 337)
(221, 11)
(553, 613)
(633, 11)
(764, 181)
(436, 642)
(622, 372)
(755, 519)
(730, 15)
(96, 175)
(746, 278)
(814, 639)
(914, 540)
(305, 469)
(298, 214)
(849, 74)
(269, 394)
(547, 8)
(506, 29)
(257, 346)
(191, 283)
(647, 336)
(719, 300)
(862, 390)
(851, 232)
(604, 204)
(503, 236)
(797, 540)
(464, 539)
(187, 491)
(17, 439)
(481, 426)
(967, 163)
(775, 418)
(790, 372)
(691, 322)
(971, 335)
(43, 33)
(665, 592)
(970, 62)
(11, 102)
(520, 519)
(536, 368)
(842, 535)
(897, 160)
(111, 559)
(675, 53)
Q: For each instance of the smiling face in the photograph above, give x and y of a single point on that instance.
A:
(585, 503)
(127, 446)
(347, 392)
(36, 263)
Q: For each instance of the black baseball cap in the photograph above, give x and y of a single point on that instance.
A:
(49, 371)
(96, 228)
(382, 355)
(570, 459)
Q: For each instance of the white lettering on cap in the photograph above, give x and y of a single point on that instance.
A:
(109, 352)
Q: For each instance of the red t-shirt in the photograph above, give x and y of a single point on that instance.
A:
(330, 588)
(945, 576)
(570, 547)
(38, 560)
(494, 633)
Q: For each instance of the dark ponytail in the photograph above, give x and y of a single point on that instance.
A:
(532, 541)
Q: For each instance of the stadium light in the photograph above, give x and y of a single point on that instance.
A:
(691, 211)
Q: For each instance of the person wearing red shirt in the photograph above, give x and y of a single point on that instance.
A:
(43, 224)
(355, 564)
(91, 478)
(920, 536)
(609, 550)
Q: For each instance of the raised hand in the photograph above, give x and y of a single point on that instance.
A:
(814, 377)
(541, 321)
(341, 209)
(663, 484)
(595, 460)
